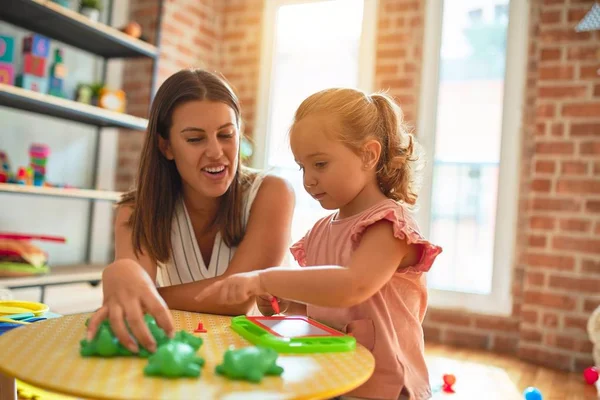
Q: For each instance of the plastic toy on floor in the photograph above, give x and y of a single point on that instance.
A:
(249, 363)
(174, 359)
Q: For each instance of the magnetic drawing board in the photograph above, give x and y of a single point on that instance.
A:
(295, 334)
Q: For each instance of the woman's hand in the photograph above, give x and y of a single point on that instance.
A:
(128, 294)
(235, 289)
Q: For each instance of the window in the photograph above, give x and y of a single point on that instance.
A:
(336, 50)
(474, 74)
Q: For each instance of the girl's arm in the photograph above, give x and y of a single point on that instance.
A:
(264, 245)
(373, 263)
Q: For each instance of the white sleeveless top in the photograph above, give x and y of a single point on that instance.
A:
(186, 264)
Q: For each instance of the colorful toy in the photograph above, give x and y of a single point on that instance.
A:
(38, 154)
(7, 68)
(188, 338)
(200, 328)
(590, 375)
(249, 363)
(174, 359)
(113, 100)
(297, 334)
(84, 94)
(32, 82)
(33, 65)
(449, 381)
(58, 72)
(7, 49)
(36, 45)
(532, 393)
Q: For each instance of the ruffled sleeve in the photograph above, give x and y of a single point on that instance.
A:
(299, 252)
(404, 229)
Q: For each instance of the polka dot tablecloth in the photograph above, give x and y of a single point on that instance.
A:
(46, 354)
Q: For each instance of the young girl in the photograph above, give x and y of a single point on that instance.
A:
(365, 264)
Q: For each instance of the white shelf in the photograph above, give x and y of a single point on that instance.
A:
(45, 104)
(104, 195)
(70, 27)
(57, 275)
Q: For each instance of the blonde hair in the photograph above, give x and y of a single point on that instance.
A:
(365, 117)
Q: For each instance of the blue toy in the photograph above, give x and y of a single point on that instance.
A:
(532, 393)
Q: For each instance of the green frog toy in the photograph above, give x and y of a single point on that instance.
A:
(174, 359)
(249, 363)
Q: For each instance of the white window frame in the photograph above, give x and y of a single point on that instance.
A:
(366, 74)
(499, 301)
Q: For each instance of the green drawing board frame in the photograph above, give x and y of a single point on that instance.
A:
(310, 336)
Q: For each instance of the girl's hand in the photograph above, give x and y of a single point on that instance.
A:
(128, 294)
(235, 289)
(263, 303)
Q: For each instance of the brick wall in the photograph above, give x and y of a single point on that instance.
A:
(557, 270)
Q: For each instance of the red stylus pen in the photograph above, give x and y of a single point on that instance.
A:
(275, 305)
(19, 236)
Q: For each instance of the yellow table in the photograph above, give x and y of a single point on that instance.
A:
(46, 354)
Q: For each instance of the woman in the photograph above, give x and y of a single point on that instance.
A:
(196, 216)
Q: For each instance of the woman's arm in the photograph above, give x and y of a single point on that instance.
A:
(264, 245)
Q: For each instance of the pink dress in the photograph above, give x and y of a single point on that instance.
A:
(388, 323)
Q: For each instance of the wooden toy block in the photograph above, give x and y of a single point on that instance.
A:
(60, 71)
(7, 49)
(56, 87)
(32, 82)
(33, 65)
(7, 73)
(36, 45)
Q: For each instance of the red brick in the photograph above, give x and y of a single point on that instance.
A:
(550, 320)
(589, 148)
(561, 92)
(553, 2)
(589, 72)
(535, 278)
(578, 285)
(545, 110)
(401, 6)
(467, 339)
(545, 167)
(448, 317)
(554, 148)
(559, 341)
(391, 53)
(590, 267)
(551, 17)
(541, 185)
(581, 109)
(397, 83)
(505, 344)
(530, 335)
(552, 204)
(543, 223)
(540, 129)
(584, 346)
(554, 36)
(583, 245)
(584, 186)
(576, 15)
(529, 316)
(580, 53)
(557, 129)
(551, 300)
(432, 334)
(585, 129)
(386, 69)
(576, 323)
(597, 90)
(583, 361)
(574, 168)
(503, 324)
(556, 73)
(592, 206)
(550, 54)
(590, 305)
(577, 225)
